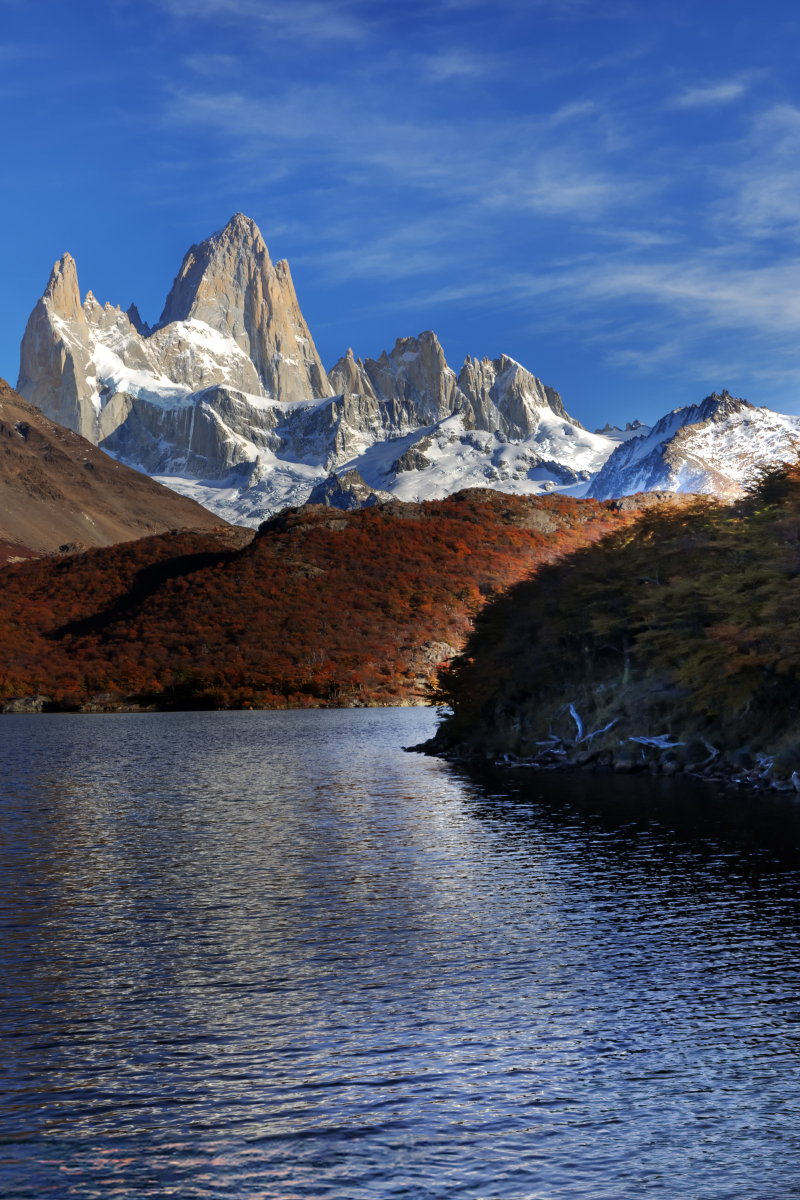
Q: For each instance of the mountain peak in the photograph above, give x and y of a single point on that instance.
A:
(62, 289)
(718, 407)
(239, 225)
(229, 283)
(136, 321)
(226, 258)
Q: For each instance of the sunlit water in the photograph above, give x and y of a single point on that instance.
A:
(271, 955)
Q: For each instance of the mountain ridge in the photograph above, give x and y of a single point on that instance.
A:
(708, 448)
(225, 400)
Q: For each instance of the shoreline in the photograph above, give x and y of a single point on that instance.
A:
(45, 706)
(718, 769)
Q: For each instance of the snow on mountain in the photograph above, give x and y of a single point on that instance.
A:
(711, 448)
(226, 401)
(632, 429)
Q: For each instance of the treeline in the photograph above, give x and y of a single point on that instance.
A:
(683, 627)
(321, 608)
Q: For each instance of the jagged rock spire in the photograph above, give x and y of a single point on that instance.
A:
(62, 290)
(54, 361)
(229, 283)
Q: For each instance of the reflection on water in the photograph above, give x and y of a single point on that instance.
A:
(271, 955)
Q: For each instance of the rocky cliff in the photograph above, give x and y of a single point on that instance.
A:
(229, 284)
(231, 318)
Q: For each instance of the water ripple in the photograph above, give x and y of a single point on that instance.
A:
(270, 955)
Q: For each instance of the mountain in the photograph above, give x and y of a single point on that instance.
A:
(229, 284)
(322, 608)
(58, 491)
(226, 400)
(710, 448)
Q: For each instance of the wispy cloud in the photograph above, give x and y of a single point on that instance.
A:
(211, 64)
(453, 64)
(548, 164)
(710, 96)
(764, 184)
(311, 19)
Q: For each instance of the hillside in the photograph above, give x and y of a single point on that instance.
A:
(57, 489)
(684, 627)
(321, 608)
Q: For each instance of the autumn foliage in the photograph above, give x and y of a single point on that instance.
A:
(321, 608)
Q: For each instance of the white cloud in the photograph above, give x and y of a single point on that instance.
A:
(553, 164)
(211, 64)
(311, 19)
(765, 182)
(456, 64)
(706, 97)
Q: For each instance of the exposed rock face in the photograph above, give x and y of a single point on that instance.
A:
(136, 321)
(711, 448)
(631, 427)
(351, 376)
(230, 319)
(414, 458)
(56, 372)
(418, 388)
(508, 399)
(347, 491)
(26, 704)
(229, 283)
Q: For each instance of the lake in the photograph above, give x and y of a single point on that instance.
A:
(270, 954)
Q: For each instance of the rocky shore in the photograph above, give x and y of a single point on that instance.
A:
(645, 756)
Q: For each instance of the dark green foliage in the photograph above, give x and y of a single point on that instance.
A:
(687, 622)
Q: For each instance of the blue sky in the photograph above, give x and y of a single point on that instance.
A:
(608, 192)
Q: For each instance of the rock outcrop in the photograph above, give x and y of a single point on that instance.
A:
(347, 491)
(56, 372)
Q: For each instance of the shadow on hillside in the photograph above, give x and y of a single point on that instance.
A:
(145, 584)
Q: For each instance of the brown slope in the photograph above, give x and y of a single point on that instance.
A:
(322, 608)
(57, 489)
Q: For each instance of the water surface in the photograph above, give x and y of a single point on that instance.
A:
(271, 955)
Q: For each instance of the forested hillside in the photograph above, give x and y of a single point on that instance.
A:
(321, 608)
(684, 626)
